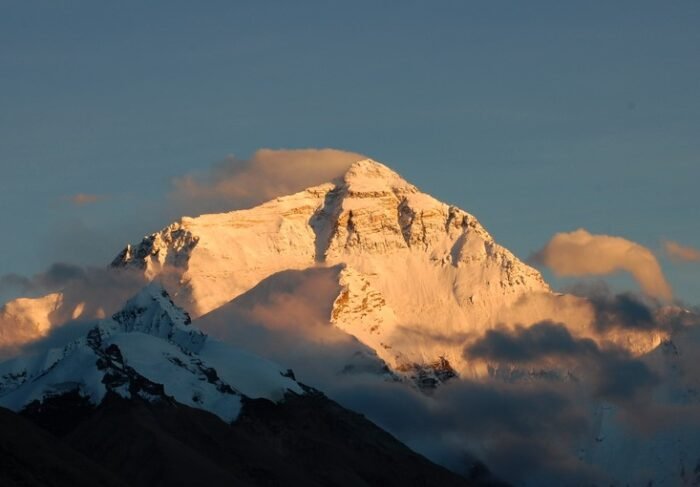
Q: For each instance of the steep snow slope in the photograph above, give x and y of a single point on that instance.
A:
(211, 259)
(147, 350)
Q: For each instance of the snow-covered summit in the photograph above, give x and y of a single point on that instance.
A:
(411, 262)
(370, 212)
(148, 350)
(368, 176)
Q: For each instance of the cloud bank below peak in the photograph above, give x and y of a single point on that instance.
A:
(237, 183)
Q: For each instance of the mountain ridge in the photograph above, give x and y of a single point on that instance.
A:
(366, 280)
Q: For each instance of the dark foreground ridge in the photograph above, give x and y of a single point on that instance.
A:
(305, 440)
(32, 457)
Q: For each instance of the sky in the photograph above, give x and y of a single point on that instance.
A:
(538, 117)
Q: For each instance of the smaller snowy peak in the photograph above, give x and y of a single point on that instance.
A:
(130, 365)
(152, 312)
(148, 350)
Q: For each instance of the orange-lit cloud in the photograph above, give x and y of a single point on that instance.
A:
(680, 252)
(81, 199)
(71, 292)
(581, 253)
(238, 183)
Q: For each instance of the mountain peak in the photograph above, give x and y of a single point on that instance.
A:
(369, 218)
(370, 176)
(152, 311)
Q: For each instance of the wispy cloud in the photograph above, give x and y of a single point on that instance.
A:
(82, 199)
(682, 253)
(85, 293)
(238, 183)
(581, 253)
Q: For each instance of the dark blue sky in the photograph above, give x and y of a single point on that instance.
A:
(537, 117)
